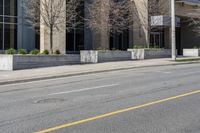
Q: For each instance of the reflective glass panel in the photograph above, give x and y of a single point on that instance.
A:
(11, 7)
(10, 36)
(1, 7)
(1, 36)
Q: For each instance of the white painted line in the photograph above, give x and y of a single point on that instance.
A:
(165, 72)
(44, 80)
(81, 90)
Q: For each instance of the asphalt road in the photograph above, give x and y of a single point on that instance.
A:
(147, 100)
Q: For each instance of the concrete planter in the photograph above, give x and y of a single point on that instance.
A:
(140, 54)
(92, 56)
(2, 52)
(16, 62)
(191, 52)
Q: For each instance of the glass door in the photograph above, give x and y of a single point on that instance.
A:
(119, 41)
(75, 37)
(157, 39)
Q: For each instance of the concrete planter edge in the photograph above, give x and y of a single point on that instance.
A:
(94, 56)
(141, 54)
(19, 62)
(191, 52)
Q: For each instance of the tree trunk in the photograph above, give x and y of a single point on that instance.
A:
(51, 40)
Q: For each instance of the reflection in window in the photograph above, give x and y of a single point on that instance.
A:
(1, 7)
(8, 24)
(1, 36)
(10, 36)
(75, 37)
(11, 7)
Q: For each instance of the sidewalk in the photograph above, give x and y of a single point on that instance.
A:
(8, 77)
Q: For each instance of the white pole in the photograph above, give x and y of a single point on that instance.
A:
(173, 30)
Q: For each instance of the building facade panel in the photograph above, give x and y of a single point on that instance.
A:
(16, 32)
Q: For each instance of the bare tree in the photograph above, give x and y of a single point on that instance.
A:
(195, 23)
(194, 20)
(52, 14)
(110, 16)
(153, 8)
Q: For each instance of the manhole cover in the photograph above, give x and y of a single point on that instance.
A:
(50, 100)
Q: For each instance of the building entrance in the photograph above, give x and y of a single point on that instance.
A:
(119, 41)
(157, 39)
(75, 37)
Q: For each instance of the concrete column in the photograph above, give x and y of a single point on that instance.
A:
(105, 33)
(140, 22)
(59, 36)
(173, 30)
(102, 37)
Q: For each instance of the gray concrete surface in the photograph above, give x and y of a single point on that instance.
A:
(37, 105)
(2, 52)
(92, 56)
(191, 52)
(18, 62)
(141, 54)
(7, 77)
(6, 62)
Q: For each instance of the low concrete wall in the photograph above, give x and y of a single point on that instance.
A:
(140, 54)
(6, 62)
(2, 52)
(191, 52)
(92, 56)
(17, 62)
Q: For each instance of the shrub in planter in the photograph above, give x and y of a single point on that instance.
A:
(35, 52)
(155, 47)
(45, 52)
(57, 52)
(114, 49)
(139, 47)
(102, 49)
(22, 51)
(11, 51)
(196, 47)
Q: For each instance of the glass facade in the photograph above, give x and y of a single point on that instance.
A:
(119, 41)
(75, 37)
(8, 24)
(1, 36)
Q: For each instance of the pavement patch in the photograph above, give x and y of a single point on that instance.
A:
(50, 100)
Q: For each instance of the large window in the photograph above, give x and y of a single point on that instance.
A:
(8, 24)
(10, 7)
(75, 37)
(10, 36)
(119, 41)
(1, 36)
(1, 7)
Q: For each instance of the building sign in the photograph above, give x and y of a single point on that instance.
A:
(163, 21)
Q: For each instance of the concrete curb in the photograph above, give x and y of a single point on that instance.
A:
(86, 73)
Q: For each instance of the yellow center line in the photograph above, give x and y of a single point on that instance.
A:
(117, 112)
